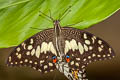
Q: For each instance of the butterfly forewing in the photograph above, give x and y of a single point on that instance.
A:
(35, 52)
(84, 48)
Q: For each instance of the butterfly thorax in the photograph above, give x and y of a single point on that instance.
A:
(59, 41)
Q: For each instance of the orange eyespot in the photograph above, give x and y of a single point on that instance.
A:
(67, 59)
(54, 59)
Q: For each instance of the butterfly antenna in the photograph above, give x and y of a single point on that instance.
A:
(47, 16)
(65, 13)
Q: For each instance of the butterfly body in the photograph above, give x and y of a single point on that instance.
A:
(67, 49)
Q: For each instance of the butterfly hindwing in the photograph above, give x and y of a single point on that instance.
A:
(84, 48)
(35, 52)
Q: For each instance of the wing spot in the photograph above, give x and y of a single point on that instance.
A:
(10, 59)
(72, 62)
(40, 70)
(35, 62)
(19, 56)
(21, 62)
(16, 63)
(89, 57)
(42, 61)
(51, 70)
(31, 41)
(33, 52)
(38, 51)
(81, 49)
(16, 54)
(74, 45)
(85, 36)
(45, 72)
(98, 55)
(84, 59)
(99, 42)
(76, 64)
(108, 55)
(26, 60)
(28, 53)
(104, 55)
(45, 67)
(100, 49)
(93, 55)
(11, 63)
(110, 50)
(30, 61)
(90, 47)
(87, 42)
(85, 47)
(18, 49)
(78, 59)
(30, 47)
(50, 64)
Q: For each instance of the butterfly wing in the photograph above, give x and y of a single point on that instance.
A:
(36, 52)
(83, 48)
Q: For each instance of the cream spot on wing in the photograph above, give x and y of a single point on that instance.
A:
(33, 52)
(38, 51)
(50, 64)
(18, 49)
(84, 59)
(72, 62)
(40, 70)
(51, 48)
(83, 66)
(28, 53)
(99, 42)
(44, 46)
(98, 55)
(102, 46)
(30, 61)
(74, 45)
(45, 67)
(11, 63)
(16, 63)
(85, 36)
(81, 49)
(42, 61)
(21, 62)
(35, 62)
(104, 55)
(31, 41)
(51, 70)
(87, 42)
(26, 60)
(100, 49)
(110, 50)
(16, 54)
(78, 59)
(67, 46)
(108, 55)
(89, 57)
(30, 47)
(76, 64)
(45, 72)
(90, 47)
(10, 59)
(93, 39)
(19, 56)
(85, 47)
(93, 55)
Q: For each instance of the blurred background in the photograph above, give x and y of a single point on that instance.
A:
(108, 30)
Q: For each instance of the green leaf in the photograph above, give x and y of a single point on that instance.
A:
(17, 16)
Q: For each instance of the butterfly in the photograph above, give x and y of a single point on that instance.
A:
(67, 49)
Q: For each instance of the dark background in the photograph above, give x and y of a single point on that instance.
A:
(109, 30)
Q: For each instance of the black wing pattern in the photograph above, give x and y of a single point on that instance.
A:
(83, 48)
(36, 52)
